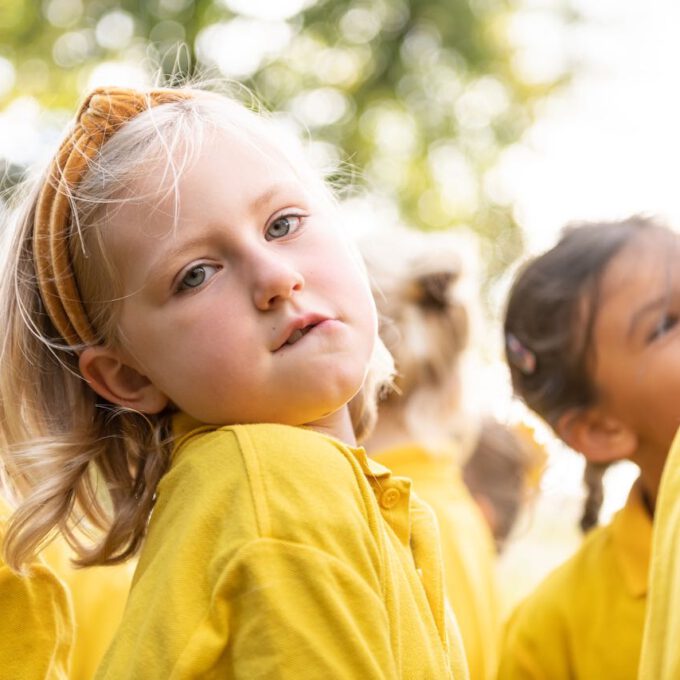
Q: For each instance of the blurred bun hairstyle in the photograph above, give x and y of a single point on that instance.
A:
(549, 325)
(422, 284)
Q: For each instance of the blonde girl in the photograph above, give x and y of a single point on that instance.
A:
(187, 325)
(422, 431)
(593, 345)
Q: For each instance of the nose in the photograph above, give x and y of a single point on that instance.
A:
(275, 280)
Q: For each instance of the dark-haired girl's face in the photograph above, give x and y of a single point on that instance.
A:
(637, 341)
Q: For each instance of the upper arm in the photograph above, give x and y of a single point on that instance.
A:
(287, 610)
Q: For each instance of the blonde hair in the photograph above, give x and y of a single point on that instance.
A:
(77, 463)
(422, 286)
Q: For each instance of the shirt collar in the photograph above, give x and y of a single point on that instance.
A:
(184, 425)
(632, 537)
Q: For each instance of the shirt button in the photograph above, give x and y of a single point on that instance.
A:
(390, 498)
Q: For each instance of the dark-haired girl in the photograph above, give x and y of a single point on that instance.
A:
(593, 343)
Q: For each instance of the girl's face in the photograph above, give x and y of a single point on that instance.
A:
(255, 308)
(637, 340)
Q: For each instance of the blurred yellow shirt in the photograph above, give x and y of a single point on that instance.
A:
(278, 552)
(467, 546)
(661, 652)
(36, 623)
(98, 595)
(585, 621)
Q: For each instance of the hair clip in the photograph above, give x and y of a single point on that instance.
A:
(521, 357)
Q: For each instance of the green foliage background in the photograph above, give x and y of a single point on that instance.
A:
(421, 96)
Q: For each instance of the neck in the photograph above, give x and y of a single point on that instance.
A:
(338, 425)
(651, 464)
(650, 478)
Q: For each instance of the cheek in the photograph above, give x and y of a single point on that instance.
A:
(345, 267)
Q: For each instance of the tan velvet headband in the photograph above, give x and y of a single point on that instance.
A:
(103, 112)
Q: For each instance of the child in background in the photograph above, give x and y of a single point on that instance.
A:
(498, 475)
(422, 432)
(186, 326)
(36, 621)
(593, 345)
(98, 595)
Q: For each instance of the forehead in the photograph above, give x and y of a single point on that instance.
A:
(648, 262)
(643, 271)
(225, 162)
(218, 180)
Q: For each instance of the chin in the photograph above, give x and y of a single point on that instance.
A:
(320, 406)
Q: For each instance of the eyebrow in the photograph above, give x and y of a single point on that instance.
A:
(647, 308)
(278, 188)
(160, 267)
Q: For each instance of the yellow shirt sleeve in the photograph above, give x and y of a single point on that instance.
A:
(660, 651)
(288, 611)
(36, 628)
(294, 612)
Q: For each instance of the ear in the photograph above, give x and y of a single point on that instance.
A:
(600, 437)
(118, 382)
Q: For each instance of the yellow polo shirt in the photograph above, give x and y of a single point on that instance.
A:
(98, 595)
(467, 546)
(585, 621)
(36, 623)
(661, 651)
(278, 552)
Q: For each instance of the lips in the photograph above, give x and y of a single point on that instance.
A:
(298, 328)
(297, 334)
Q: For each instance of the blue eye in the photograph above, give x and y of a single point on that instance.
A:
(197, 276)
(282, 226)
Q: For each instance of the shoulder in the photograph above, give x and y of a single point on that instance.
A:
(245, 515)
(271, 461)
(305, 487)
(247, 482)
(557, 595)
(543, 630)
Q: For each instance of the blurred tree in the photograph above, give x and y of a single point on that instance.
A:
(422, 95)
